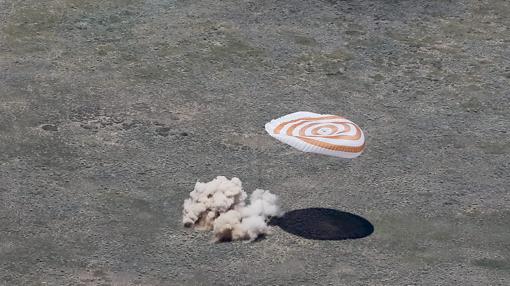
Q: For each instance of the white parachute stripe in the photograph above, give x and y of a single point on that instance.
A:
(341, 129)
(298, 125)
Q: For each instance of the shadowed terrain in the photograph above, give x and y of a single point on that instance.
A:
(324, 224)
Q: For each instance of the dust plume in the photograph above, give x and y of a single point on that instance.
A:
(220, 206)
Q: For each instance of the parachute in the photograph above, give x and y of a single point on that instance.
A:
(318, 133)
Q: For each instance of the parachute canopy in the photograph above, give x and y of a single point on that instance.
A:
(318, 133)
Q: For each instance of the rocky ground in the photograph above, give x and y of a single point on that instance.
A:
(110, 111)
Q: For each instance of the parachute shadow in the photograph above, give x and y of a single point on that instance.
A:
(324, 224)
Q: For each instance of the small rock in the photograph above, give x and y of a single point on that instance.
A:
(82, 25)
(49, 127)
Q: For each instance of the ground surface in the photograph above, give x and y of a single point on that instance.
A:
(111, 110)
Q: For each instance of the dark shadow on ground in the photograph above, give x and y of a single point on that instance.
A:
(324, 224)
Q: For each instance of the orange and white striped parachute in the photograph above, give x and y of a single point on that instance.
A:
(317, 133)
